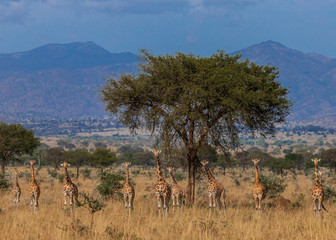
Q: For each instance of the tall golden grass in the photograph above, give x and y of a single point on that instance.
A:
(52, 221)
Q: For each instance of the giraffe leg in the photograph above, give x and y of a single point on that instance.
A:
(18, 197)
(219, 203)
(65, 201)
(159, 201)
(131, 202)
(259, 202)
(126, 200)
(32, 199)
(71, 199)
(174, 199)
(255, 201)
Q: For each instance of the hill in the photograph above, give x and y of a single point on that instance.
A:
(310, 77)
(58, 80)
(62, 80)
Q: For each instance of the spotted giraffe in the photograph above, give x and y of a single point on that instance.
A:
(163, 191)
(318, 193)
(34, 188)
(128, 190)
(259, 191)
(177, 191)
(216, 190)
(69, 189)
(16, 188)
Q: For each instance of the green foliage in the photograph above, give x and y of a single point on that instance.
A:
(61, 178)
(90, 203)
(110, 185)
(66, 143)
(86, 173)
(278, 165)
(15, 140)
(54, 156)
(179, 176)
(4, 184)
(103, 157)
(329, 192)
(274, 185)
(52, 173)
(299, 200)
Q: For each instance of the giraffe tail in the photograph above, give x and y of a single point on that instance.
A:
(324, 207)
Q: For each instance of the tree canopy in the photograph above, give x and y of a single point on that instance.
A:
(15, 140)
(191, 100)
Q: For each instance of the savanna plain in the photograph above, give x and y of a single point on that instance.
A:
(242, 221)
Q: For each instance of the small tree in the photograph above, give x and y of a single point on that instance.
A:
(110, 185)
(54, 156)
(78, 157)
(328, 158)
(191, 101)
(103, 157)
(15, 140)
(92, 204)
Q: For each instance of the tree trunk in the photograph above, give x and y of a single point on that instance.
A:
(77, 172)
(39, 160)
(191, 177)
(224, 168)
(3, 164)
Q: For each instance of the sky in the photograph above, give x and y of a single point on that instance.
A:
(166, 26)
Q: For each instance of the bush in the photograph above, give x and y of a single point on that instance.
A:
(329, 192)
(110, 185)
(4, 184)
(274, 185)
(61, 178)
(86, 173)
(52, 173)
(179, 176)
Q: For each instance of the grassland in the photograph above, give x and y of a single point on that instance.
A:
(51, 221)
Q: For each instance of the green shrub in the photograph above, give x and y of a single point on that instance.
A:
(110, 185)
(4, 184)
(274, 185)
(179, 176)
(86, 173)
(61, 178)
(329, 192)
(52, 173)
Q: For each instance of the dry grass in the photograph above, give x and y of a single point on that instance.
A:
(51, 221)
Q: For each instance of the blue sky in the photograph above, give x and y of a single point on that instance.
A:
(166, 26)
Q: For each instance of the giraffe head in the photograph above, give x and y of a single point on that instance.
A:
(65, 164)
(170, 169)
(127, 163)
(204, 163)
(32, 163)
(316, 160)
(255, 161)
(156, 153)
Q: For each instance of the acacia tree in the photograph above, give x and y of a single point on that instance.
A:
(191, 100)
(78, 157)
(15, 140)
(103, 157)
(54, 156)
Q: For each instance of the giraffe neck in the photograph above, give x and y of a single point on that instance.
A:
(316, 175)
(127, 175)
(172, 179)
(16, 179)
(159, 172)
(67, 178)
(320, 180)
(257, 174)
(32, 173)
(211, 178)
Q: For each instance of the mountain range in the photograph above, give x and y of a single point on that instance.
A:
(63, 80)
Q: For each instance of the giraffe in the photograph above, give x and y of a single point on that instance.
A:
(216, 190)
(34, 188)
(16, 188)
(318, 193)
(128, 190)
(69, 189)
(177, 191)
(259, 191)
(163, 191)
